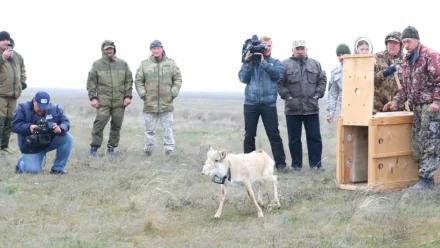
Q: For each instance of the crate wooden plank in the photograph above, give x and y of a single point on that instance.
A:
(393, 171)
(353, 186)
(339, 152)
(391, 139)
(348, 153)
(358, 89)
(391, 118)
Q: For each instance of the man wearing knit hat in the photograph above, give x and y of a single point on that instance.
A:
(335, 92)
(158, 81)
(386, 64)
(421, 87)
(12, 82)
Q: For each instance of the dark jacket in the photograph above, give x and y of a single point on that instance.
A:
(24, 116)
(303, 80)
(261, 81)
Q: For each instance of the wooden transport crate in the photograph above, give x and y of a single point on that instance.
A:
(373, 150)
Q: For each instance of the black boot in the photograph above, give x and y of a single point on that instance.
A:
(423, 183)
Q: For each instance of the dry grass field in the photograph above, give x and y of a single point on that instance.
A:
(130, 200)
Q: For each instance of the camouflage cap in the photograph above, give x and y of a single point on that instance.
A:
(299, 43)
(395, 36)
(342, 49)
(410, 32)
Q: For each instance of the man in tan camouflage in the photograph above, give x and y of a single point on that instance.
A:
(110, 86)
(387, 63)
(12, 82)
(158, 81)
(421, 87)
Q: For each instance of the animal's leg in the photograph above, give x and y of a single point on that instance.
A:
(259, 194)
(276, 201)
(248, 186)
(222, 199)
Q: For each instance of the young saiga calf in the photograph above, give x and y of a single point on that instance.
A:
(241, 170)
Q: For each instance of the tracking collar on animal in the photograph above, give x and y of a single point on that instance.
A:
(221, 180)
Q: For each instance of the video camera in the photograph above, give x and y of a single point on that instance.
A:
(42, 134)
(253, 46)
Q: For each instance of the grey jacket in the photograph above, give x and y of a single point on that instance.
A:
(335, 91)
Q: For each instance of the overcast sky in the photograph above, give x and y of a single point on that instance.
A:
(59, 40)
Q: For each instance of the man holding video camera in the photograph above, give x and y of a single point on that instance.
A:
(260, 72)
(12, 82)
(41, 127)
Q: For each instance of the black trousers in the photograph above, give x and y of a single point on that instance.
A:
(270, 121)
(313, 135)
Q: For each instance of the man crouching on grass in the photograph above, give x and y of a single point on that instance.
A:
(41, 127)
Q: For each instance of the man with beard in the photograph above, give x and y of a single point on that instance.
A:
(421, 87)
(387, 63)
(301, 86)
(110, 86)
(12, 82)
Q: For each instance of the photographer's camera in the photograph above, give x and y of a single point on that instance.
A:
(255, 48)
(42, 134)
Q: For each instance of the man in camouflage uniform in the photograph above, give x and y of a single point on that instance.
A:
(158, 82)
(301, 86)
(12, 82)
(421, 87)
(386, 63)
(110, 86)
(335, 92)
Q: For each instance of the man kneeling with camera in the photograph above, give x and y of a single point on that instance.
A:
(41, 127)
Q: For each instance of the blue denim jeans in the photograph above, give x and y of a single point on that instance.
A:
(33, 162)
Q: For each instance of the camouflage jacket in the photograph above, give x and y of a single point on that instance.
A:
(385, 88)
(421, 77)
(158, 83)
(335, 90)
(110, 80)
(302, 80)
(12, 75)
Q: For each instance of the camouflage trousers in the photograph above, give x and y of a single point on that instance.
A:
(7, 108)
(166, 121)
(103, 115)
(426, 140)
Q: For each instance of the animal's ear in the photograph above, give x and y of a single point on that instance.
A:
(210, 148)
(222, 154)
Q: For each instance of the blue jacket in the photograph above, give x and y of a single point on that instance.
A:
(25, 115)
(261, 80)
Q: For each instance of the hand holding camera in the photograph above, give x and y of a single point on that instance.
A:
(252, 50)
(32, 128)
(56, 128)
(8, 53)
(41, 133)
